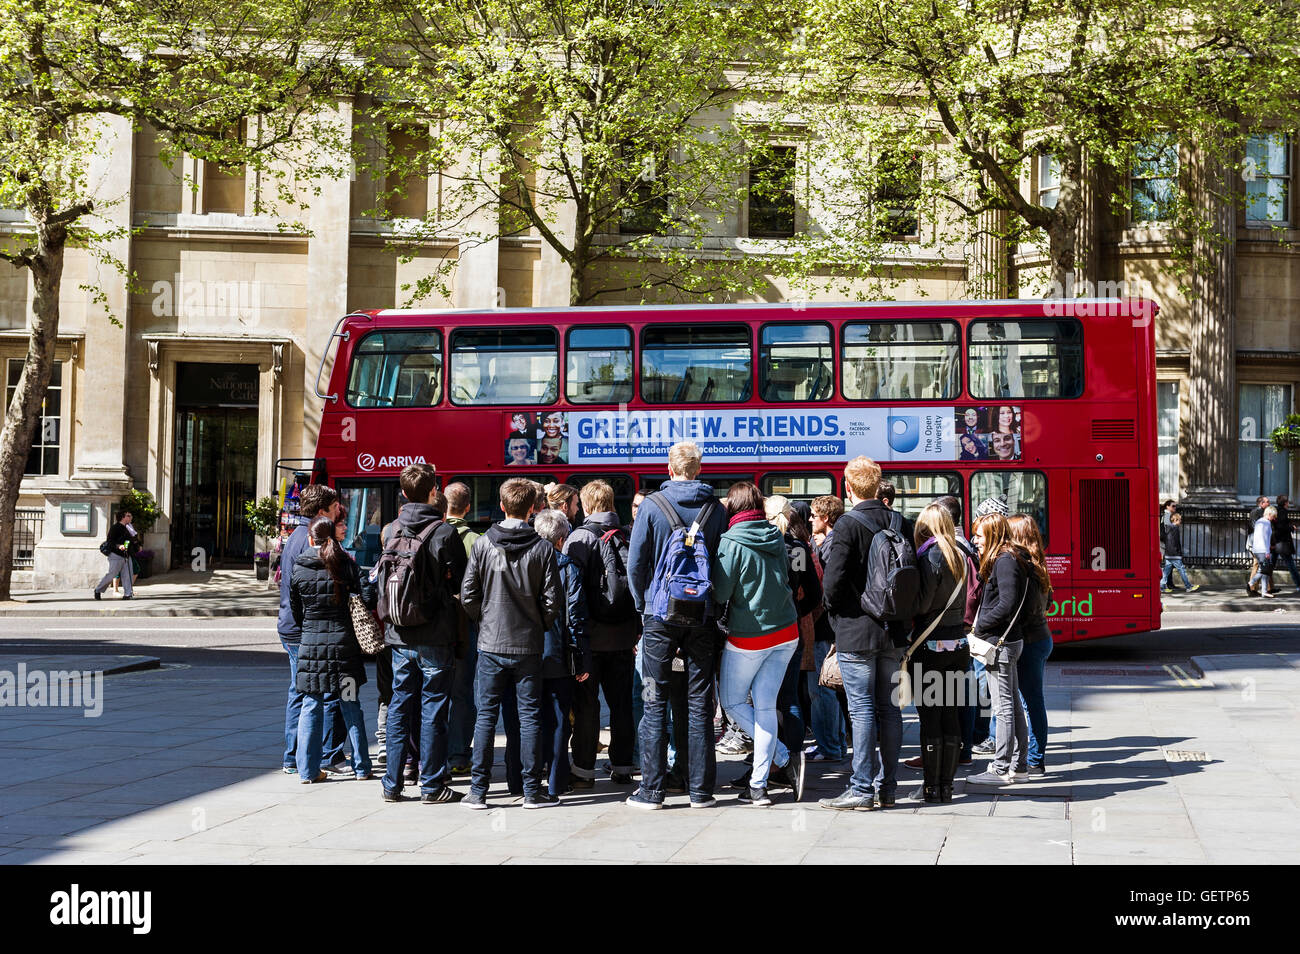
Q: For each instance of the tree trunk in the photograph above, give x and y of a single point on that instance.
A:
(24, 410)
(1062, 232)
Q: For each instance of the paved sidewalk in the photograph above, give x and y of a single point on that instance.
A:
(1218, 597)
(1150, 764)
(177, 593)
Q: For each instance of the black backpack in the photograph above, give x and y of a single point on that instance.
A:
(413, 585)
(893, 587)
(609, 597)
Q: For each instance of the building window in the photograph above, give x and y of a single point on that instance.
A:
(1049, 181)
(43, 461)
(644, 206)
(1267, 172)
(1260, 469)
(898, 192)
(224, 186)
(1154, 182)
(1167, 436)
(771, 193)
(406, 182)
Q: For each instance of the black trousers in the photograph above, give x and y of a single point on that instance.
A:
(939, 686)
(611, 673)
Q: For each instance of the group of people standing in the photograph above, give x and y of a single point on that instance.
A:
(739, 601)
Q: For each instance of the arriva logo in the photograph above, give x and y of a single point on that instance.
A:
(1072, 607)
(368, 462)
(903, 432)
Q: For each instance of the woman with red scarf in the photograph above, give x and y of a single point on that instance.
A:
(751, 576)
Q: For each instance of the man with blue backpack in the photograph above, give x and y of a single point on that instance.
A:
(870, 587)
(673, 539)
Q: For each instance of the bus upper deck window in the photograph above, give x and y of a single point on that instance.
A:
(504, 366)
(794, 363)
(901, 360)
(598, 366)
(1039, 358)
(396, 369)
(699, 364)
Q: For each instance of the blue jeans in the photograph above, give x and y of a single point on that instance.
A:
(1167, 574)
(1030, 668)
(496, 673)
(869, 680)
(827, 720)
(557, 701)
(311, 726)
(292, 707)
(421, 697)
(756, 674)
(659, 644)
(460, 721)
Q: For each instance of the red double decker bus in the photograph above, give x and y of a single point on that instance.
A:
(1047, 405)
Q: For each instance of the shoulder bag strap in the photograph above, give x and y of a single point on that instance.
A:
(701, 517)
(1019, 606)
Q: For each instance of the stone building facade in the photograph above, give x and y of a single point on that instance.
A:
(209, 379)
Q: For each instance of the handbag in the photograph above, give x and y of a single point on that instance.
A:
(983, 650)
(369, 634)
(830, 676)
(904, 674)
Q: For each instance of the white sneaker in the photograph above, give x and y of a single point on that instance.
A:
(990, 777)
(1020, 776)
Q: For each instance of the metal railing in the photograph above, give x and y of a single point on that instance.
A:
(1216, 537)
(29, 523)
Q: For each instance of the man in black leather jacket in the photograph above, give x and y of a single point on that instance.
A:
(512, 589)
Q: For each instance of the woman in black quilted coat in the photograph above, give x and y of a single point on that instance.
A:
(330, 664)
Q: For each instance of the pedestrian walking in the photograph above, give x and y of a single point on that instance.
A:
(867, 648)
(676, 529)
(751, 574)
(1260, 503)
(330, 664)
(117, 547)
(512, 589)
(1261, 542)
(1173, 559)
(1282, 548)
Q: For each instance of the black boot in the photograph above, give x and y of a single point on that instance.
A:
(931, 764)
(951, 755)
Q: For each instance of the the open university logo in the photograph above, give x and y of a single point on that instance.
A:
(366, 462)
(903, 432)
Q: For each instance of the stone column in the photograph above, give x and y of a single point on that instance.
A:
(1212, 471)
(327, 291)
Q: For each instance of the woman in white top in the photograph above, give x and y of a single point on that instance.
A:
(1260, 542)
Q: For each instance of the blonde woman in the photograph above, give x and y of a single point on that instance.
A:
(939, 664)
(1008, 587)
(1037, 639)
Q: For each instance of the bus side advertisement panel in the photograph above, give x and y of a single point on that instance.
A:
(790, 435)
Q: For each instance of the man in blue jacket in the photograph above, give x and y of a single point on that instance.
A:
(661, 641)
(316, 499)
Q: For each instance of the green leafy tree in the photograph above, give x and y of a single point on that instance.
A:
(192, 69)
(982, 88)
(606, 126)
